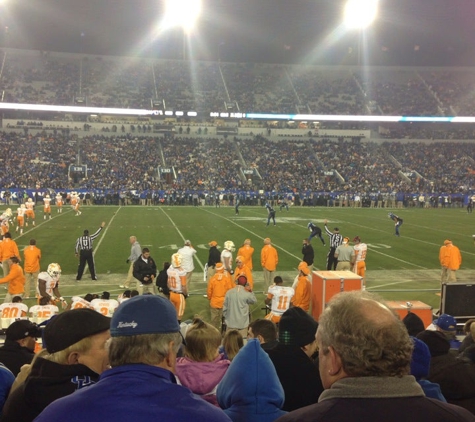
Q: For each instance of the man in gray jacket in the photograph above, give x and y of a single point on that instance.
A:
(135, 252)
(236, 306)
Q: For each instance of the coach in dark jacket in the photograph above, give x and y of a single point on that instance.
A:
(145, 270)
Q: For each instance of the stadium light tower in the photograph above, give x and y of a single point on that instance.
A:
(359, 15)
(184, 14)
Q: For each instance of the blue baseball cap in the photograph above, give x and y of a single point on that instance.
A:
(446, 322)
(145, 314)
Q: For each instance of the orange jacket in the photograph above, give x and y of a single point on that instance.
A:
(303, 291)
(8, 249)
(32, 259)
(218, 285)
(246, 251)
(15, 280)
(269, 258)
(450, 257)
(245, 271)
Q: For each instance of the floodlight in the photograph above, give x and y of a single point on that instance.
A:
(359, 14)
(183, 13)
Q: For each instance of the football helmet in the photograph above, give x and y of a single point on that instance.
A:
(8, 212)
(30, 200)
(176, 260)
(229, 245)
(22, 206)
(309, 224)
(54, 270)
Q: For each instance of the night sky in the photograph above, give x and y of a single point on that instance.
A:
(407, 32)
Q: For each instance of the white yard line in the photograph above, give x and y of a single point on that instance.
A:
(254, 234)
(181, 235)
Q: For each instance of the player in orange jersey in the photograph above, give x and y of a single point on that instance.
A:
(21, 210)
(5, 221)
(59, 203)
(177, 285)
(47, 206)
(359, 264)
(75, 200)
(30, 212)
(279, 298)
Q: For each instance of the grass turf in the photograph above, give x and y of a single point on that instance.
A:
(398, 268)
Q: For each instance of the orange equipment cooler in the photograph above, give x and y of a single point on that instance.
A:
(326, 284)
(402, 308)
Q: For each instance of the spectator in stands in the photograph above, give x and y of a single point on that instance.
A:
(232, 343)
(143, 348)
(447, 325)
(364, 360)
(251, 370)
(77, 355)
(19, 346)
(203, 366)
(292, 358)
(456, 377)
(265, 331)
(420, 365)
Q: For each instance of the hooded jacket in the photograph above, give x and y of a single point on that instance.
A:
(202, 377)
(47, 382)
(250, 390)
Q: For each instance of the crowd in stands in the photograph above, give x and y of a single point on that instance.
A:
(126, 163)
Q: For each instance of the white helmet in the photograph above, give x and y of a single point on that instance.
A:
(229, 245)
(8, 212)
(54, 270)
(176, 260)
(30, 200)
(22, 206)
(47, 196)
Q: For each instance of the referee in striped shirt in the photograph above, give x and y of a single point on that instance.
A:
(336, 239)
(84, 252)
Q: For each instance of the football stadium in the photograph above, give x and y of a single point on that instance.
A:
(344, 127)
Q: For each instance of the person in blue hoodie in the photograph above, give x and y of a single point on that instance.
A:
(250, 391)
(420, 366)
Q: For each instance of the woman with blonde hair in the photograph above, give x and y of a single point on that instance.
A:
(232, 343)
(203, 366)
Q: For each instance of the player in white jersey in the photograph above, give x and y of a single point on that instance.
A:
(5, 221)
(105, 305)
(59, 203)
(48, 285)
(47, 206)
(20, 212)
(177, 285)
(30, 211)
(43, 311)
(12, 310)
(78, 302)
(278, 297)
(359, 266)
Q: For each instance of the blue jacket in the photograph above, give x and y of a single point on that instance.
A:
(250, 390)
(135, 392)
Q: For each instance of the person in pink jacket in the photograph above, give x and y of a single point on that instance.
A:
(203, 366)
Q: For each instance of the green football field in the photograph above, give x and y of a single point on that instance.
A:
(398, 268)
